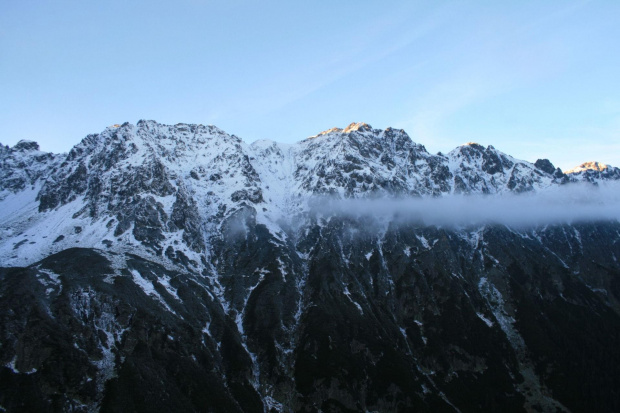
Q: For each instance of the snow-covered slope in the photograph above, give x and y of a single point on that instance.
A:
(167, 189)
(489, 171)
(139, 186)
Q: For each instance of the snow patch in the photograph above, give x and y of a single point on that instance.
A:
(148, 288)
(423, 241)
(486, 320)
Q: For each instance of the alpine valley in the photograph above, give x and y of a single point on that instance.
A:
(176, 268)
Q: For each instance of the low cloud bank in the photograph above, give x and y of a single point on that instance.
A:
(564, 204)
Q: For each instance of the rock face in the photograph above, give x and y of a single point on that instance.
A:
(175, 268)
(24, 166)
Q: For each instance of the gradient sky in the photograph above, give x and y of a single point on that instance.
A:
(534, 79)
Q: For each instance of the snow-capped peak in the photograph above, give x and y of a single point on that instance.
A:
(588, 166)
(353, 127)
(358, 126)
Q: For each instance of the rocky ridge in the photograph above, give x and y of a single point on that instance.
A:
(181, 182)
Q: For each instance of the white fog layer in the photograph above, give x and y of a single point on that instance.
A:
(563, 204)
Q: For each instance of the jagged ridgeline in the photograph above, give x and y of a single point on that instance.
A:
(176, 268)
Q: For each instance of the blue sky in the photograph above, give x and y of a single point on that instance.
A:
(534, 79)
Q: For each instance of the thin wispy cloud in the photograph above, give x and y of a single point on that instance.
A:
(381, 36)
(489, 61)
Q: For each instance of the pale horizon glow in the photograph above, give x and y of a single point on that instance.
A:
(533, 79)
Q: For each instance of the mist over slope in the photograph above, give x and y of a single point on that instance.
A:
(567, 204)
(176, 268)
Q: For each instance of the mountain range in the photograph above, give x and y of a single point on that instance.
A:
(176, 268)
